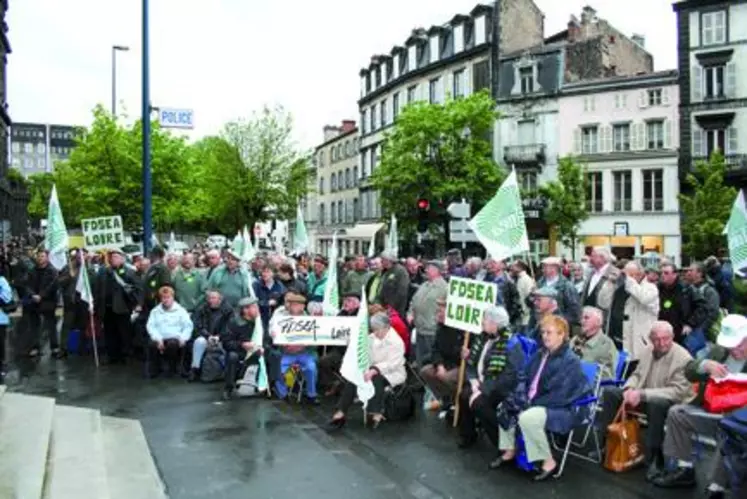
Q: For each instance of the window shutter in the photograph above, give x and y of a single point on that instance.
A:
(467, 80)
(634, 143)
(731, 80)
(667, 134)
(643, 99)
(697, 82)
(664, 96)
(642, 136)
(731, 143)
(607, 139)
(577, 141)
(698, 142)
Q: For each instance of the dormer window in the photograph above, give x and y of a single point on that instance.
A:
(403, 62)
(389, 70)
(378, 77)
(469, 35)
(526, 75)
(422, 55)
(526, 79)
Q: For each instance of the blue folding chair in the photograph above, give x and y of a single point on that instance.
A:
(593, 373)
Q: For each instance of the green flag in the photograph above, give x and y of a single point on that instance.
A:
(331, 300)
(736, 233)
(500, 225)
(300, 236)
(392, 244)
(357, 358)
(55, 235)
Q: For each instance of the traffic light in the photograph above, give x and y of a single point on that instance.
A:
(424, 209)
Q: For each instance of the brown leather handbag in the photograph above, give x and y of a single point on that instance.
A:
(623, 450)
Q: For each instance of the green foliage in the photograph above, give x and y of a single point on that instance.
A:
(567, 201)
(202, 186)
(706, 208)
(440, 152)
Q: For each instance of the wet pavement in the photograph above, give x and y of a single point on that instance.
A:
(204, 447)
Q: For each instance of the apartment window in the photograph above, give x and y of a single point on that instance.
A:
(355, 176)
(364, 121)
(333, 183)
(458, 90)
(412, 93)
(714, 81)
(480, 76)
(713, 28)
(374, 157)
(527, 180)
(364, 163)
(395, 106)
(433, 90)
(348, 182)
(715, 139)
(621, 137)
(321, 185)
(340, 214)
(356, 212)
(15, 147)
(321, 213)
(623, 192)
(589, 103)
(653, 190)
(373, 118)
(655, 134)
(526, 75)
(621, 101)
(28, 148)
(382, 112)
(594, 192)
(589, 140)
(333, 212)
(654, 97)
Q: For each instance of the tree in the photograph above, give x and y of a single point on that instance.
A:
(39, 187)
(706, 208)
(253, 171)
(441, 152)
(566, 198)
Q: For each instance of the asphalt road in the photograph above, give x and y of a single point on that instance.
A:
(204, 447)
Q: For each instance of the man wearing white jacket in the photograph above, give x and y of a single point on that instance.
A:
(169, 327)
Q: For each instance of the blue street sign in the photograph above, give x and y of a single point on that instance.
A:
(176, 118)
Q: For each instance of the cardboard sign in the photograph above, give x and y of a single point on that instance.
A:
(309, 330)
(466, 302)
(103, 232)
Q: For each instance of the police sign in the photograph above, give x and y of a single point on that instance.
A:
(176, 118)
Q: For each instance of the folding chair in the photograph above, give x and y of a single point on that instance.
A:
(299, 382)
(593, 373)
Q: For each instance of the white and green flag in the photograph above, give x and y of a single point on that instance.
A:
(83, 285)
(55, 236)
(172, 243)
(392, 243)
(357, 358)
(736, 233)
(247, 248)
(258, 337)
(300, 236)
(331, 301)
(238, 244)
(372, 246)
(500, 225)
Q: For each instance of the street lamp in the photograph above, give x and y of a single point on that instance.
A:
(115, 49)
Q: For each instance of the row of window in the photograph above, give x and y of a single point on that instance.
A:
(383, 113)
(41, 148)
(351, 210)
(338, 152)
(622, 137)
(340, 180)
(622, 192)
(29, 134)
(707, 141)
(653, 97)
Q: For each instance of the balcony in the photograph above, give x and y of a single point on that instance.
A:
(734, 162)
(524, 155)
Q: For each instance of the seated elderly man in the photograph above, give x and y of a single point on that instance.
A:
(592, 345)
(442, 374)
(303, 356)
(169, 328)
(657, 383)
(236, 340)
(728, 356)
(493, 366)
(210, 320)
(545, 301)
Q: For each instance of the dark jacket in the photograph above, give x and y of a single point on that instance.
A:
(500, 376)
(211, 321)
(299, 285)
(42, 282)
(395, 286)
(237, 332)
(692, 373)
(676, 304)
(447, 347)
(111, 296)
(707, 308)
(265, 295)
(569, 303)
(508, 296)
(158, 275)
(723, 282)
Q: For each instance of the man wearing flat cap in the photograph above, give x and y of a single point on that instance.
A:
(231, 280)
(318, 278)
(395, 284)
(236, 340)
(424, 308)
(569, 302)
(158, 276)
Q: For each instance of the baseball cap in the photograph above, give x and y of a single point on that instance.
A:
(733, 331)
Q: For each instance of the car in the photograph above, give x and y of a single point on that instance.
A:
(216, 241)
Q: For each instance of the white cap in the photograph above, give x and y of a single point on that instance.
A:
(733, 331)
(552, 260)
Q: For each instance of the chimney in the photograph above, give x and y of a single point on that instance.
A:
(574, 29)
(330, 132)
(347, 126)
(639, 40)
(588, 15)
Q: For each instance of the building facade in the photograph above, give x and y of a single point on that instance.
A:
(624, 131)
(36, 147)
(712, 61)
(450, 60)
(13, 195)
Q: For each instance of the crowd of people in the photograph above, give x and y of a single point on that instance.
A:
(673, 326)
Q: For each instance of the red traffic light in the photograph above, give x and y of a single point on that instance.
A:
(423, 204)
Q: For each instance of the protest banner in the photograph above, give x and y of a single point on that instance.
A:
(103, 232)
(466, 301)
(312, 330)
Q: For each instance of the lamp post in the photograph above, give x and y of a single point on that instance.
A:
(147, 215)
(115, 49)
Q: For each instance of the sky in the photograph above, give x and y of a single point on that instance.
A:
(226, 59)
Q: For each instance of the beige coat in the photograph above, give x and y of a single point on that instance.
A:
(641, 310)
(668, 380)
(388, 356)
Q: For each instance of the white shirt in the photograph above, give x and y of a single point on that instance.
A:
(596, 277)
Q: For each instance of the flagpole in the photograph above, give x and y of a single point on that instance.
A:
(92, 322)
(93, 338)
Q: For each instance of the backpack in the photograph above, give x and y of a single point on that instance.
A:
(733, 436)
(212, 365)
(399, 403)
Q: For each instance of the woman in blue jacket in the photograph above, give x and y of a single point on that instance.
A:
(545, 401)
(6, 297)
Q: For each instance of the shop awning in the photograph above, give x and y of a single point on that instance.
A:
(363, 231)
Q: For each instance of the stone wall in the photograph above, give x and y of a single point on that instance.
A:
(522, 25)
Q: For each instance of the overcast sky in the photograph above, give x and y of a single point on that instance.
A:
(226, 58)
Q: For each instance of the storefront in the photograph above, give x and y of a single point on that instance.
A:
(351, 240)
(633, 238)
